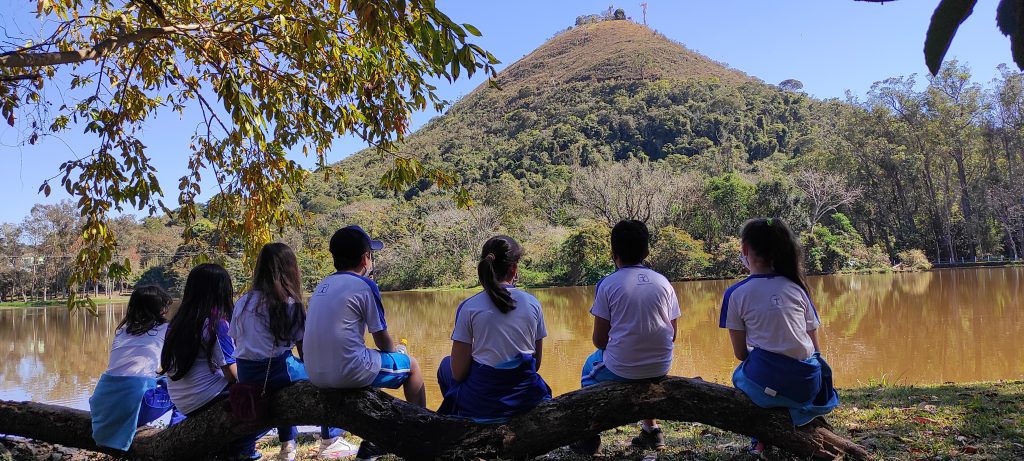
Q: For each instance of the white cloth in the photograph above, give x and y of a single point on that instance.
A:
(775, 313)
(640, 305)
(250, 328)
(496, 337)
(205, 380)
(343, 307)
(132, 355)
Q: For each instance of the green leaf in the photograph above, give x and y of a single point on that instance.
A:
(471, 29)
(1011, 23)
(945, 21)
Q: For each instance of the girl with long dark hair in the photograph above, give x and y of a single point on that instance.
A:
(199, 354)
(267, 322)
(497, 343)
(773, 327)
(129, 394)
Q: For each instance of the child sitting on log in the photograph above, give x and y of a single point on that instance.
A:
(497, 344)
(773, 327)
(129, 395)
(266, 323)
(198, 352)
(344, 306)
(635, 311)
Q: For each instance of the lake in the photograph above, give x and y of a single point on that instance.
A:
(955, 325)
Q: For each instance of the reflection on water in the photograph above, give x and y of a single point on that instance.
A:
(932, 327)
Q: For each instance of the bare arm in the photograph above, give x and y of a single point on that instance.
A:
(462, 359)
(298, 345)
(538, 352)
(601, 329)
(230, 372)
(383, 341)
(739, 343)
(674, 330)
(814, 339)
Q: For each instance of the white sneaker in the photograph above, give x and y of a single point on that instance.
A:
(337, 447)
(287, 452)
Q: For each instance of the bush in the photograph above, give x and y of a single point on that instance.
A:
(914, 260)
(727, 258)
(677, 255)
(586, 255)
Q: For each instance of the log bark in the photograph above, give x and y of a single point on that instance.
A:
(418, 434)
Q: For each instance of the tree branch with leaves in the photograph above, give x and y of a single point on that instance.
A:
(266, 78)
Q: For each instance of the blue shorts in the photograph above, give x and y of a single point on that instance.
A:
(595, 372)
(395, 369)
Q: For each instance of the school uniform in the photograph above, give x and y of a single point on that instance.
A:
(782, 368)
(129, 394)
(342, 309)
(204, 385)
(262, 358)
(503, 379)
(640, 305)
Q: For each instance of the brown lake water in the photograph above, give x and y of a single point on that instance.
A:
(931, 327)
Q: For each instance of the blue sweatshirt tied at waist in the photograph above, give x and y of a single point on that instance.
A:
(120, 404)
(774, 380)
(492, 394)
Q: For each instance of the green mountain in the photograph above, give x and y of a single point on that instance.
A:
(596, 92)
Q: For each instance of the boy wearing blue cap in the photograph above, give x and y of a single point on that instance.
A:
(342, 308)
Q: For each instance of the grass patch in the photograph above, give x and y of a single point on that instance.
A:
(983, 421)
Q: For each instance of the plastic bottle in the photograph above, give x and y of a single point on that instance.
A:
(403, 346)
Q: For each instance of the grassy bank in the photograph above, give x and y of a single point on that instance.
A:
(982, 421)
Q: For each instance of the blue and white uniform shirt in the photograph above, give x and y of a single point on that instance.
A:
(775, 313)
(343, 308)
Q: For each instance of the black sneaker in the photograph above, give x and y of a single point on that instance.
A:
(652, 440)
(587, 447)
(369, 452)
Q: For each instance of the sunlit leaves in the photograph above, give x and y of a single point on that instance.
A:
(266, 78)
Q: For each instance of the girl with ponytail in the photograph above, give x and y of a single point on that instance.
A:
(497, 343)
(773, 327)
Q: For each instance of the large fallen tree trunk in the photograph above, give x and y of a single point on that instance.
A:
(418, 434)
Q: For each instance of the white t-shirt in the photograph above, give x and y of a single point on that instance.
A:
(343, 307)
(640, 304)
(202, 384)
(775, 312)
(496, 337)
(250, 328)
(132, 355)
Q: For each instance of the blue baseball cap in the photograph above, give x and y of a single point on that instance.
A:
(352, 241)
(375, 245)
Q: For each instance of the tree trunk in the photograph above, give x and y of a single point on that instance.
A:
(425, 435)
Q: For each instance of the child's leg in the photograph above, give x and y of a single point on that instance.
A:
(415, 391)
(445, 379)
(287, 433)
(327, 432)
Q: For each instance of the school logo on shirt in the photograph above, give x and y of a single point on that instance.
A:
(776, 301)
(642, 279)
(322, 289)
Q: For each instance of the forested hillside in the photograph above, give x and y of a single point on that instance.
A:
(612, 120)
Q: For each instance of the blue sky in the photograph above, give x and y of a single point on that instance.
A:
(830, 45)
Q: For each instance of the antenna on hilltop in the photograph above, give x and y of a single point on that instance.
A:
(644, 7)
